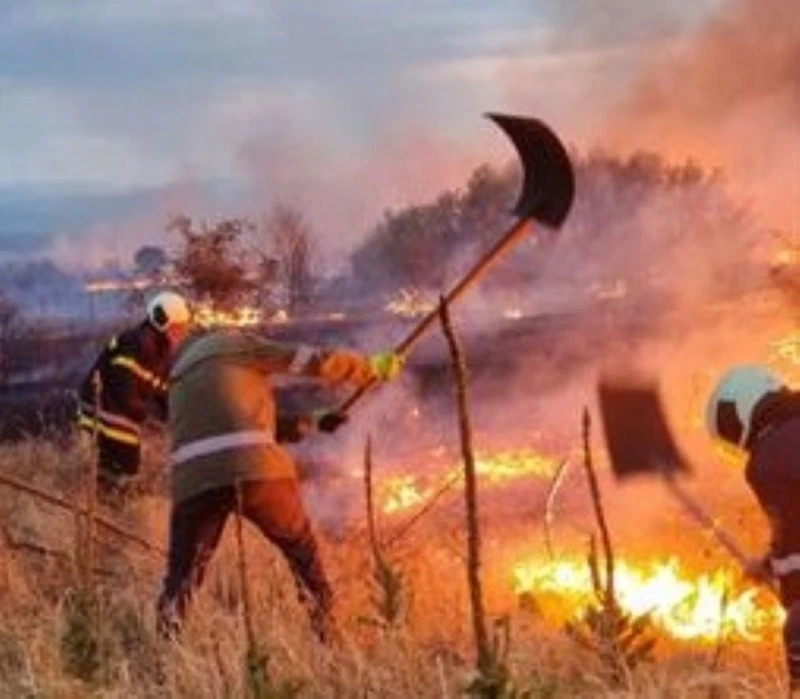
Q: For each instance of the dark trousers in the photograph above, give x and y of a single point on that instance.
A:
(117, 463)
(790, 599)
(117, 458)
(276, 508)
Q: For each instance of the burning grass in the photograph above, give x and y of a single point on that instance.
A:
(685, 605)
(426, 653)
(407, 491)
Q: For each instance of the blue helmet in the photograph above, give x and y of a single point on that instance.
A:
(730, 408)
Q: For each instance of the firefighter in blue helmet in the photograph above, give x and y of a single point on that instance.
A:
(127, 383)
(752, 411)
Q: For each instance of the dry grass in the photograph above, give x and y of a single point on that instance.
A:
(429, 654)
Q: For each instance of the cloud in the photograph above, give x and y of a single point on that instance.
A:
(102, 43)
(189, 82)
(383, 98)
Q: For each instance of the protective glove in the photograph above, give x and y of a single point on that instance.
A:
(291, 429)
(386, 365)
(329, 422)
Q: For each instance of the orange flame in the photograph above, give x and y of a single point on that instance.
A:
(243, 316)
(700, 608)
(401, 493)
(788, 348)
(406, 491)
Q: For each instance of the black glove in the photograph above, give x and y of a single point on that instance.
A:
(330, 422)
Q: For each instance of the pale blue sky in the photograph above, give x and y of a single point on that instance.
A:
(122, 93)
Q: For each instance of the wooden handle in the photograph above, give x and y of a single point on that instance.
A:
(727, 542)
(509, 239)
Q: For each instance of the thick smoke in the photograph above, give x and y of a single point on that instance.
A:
(729, 95)
(671, 284)
(344, 196)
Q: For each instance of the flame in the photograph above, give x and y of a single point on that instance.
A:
(243, 316)
(787, 348)
(100, 286)
(402, 493)
(685, 607)
(407, 491)
(410, 303)
(507, 465)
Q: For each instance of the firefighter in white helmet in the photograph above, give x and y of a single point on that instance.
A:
(755, 412)
(127, 383)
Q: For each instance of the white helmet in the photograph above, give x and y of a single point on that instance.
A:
(166, 309)
(730, 408)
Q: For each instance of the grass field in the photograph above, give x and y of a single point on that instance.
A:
(56, 641)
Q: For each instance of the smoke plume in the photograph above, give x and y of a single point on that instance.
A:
(729, 95)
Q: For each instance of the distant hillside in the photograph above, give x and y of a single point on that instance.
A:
(31, 214)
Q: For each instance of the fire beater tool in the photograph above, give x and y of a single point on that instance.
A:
(548, 189)
(640, 443)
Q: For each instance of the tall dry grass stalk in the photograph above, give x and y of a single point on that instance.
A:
(619, 639)
(470, 492)
(86, 547)
(387, 578)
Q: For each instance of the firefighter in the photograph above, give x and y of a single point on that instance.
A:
(126, 384)
(225, 454)
(753, 412)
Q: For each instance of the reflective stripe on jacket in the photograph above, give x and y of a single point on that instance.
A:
(222, 413)
(115, 427)
(132, 369)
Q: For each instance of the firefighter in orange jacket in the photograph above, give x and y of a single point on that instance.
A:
(225, 450)
(127, 383)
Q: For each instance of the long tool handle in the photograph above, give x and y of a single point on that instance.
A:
(707, 521)
(694, 509)
(509, 239)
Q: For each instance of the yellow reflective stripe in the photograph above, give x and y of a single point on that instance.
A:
(84, 421)
(110, 432)
(119, 436)
(134, 366)
(106, 431)
(112, 343)
(109, 418)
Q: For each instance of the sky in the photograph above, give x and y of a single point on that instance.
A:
(114, 93)
(344, 107)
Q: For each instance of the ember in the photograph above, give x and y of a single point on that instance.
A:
(684, 606)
